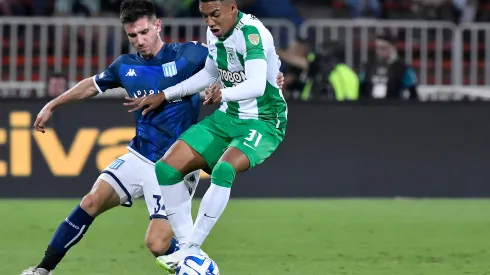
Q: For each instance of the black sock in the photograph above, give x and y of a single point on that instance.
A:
(69, 233)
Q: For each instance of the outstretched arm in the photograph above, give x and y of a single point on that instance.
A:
(83, 90)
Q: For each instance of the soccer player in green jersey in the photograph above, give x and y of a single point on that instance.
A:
(247, 129)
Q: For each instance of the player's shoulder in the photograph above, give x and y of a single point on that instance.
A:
(249, 22)
(183, 47)
(125, 59)
(250, 28)
(194, 51)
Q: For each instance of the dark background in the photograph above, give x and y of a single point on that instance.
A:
(330, 150)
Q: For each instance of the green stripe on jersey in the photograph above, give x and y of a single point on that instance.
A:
(222, 60)
(272, 106)
(253, 43)
(240, 58)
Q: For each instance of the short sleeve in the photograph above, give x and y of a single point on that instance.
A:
(254, 46)
(109, 79)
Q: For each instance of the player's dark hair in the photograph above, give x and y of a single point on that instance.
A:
(133, 10)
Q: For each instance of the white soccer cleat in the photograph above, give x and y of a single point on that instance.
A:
(36, 271)
(170, 262)
(202, 253)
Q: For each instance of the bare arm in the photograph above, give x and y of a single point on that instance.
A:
(83, 90)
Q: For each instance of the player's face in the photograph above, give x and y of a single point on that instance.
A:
(384, 50)
(144, 35)
(219, 16)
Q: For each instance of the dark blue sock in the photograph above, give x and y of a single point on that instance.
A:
(174, 246)
(69, 233)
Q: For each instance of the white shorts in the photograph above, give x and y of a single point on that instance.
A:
(133, 177)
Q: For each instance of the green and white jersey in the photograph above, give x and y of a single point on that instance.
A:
(249, 39)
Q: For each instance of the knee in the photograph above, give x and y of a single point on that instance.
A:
(159, 242)
(223, 174)
(166, 174)
(91, 204)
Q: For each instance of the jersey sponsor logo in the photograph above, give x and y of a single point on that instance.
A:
(143, 93)
(169, 69)
(232, 58)
(116, 164)
(254, 39)
(131, 72)
(232, 77)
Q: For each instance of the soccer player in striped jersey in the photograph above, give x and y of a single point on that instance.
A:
(247, 129)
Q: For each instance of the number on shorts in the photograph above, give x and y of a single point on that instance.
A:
(159, 206)
(254, 137)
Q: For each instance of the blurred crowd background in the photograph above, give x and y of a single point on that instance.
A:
(331, 50)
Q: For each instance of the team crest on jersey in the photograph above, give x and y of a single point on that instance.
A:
(232, 58)
(169, 69)
(254, 39)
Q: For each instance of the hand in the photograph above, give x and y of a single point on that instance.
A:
(280, 80)
(152, 101)
(43, 117)
(213, 94)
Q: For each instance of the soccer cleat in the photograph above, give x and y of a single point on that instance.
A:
(170, 262)
(36, 271)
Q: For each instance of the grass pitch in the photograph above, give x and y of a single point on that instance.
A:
(271, 237)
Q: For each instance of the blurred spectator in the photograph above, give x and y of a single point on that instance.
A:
(56, 84)
(328, 77)
(318, 75)
(295, 63)
(278, 9)
(466, 10)
(361, 8)
(387, 77)
(271, 9)
(85, 8)
(5, 7)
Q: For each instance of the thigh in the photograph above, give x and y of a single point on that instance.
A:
(258, 141)
(124, 175)
(204, 140)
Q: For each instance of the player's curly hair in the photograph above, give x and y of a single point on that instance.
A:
(133, 10)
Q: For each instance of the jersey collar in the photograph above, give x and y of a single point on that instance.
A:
(240, 16)
(155, 58)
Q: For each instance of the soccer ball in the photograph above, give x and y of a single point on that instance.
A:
(197, 265)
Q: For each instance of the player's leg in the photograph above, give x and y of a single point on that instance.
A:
(244, 152)
(159, 236)
(101, 198)
(116, 185)
(179, 160)
(197, 148)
